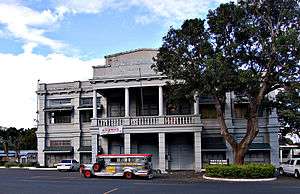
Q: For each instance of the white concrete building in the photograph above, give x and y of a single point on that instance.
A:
(124, 109)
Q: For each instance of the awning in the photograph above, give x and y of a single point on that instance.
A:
(259, 146)
(86, 149)
(61, 108)
(89, 107)
(64, 149)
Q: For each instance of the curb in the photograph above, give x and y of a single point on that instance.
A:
(29, 168)
(239, 180)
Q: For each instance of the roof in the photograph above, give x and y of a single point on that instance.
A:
(130, 51)
(123, 155)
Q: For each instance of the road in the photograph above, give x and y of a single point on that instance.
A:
(13, 181)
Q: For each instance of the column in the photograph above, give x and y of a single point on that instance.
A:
(162, 152)
(127, 143)
(273, 129)
(41, 146)
(126, 102)
(196, 104)
(94, 146)
(94, 104)
(76, 145)
(160, 101)
(197, 149)
(228, 110)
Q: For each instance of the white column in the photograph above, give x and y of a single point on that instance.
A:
(94, 146)
(197, 147)
(196, 104)
(127, 143)
(126, 102)
(41, 146)
(281, 155)
(104, 144)
(160, 101)
(76, 145)
(94, 104)
(162, 152)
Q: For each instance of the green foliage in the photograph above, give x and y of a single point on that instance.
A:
(241, 171)
(10, 164)
(288, 106)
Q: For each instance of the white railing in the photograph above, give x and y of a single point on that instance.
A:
(149, 120)
(112, 121)
(179, 119)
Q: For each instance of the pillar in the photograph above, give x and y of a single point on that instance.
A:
(196, 104)
(197, 149)
(41, 143)
(94, 146)
(76, 145)
(162, 152)
(127, 143)
(104, 144)
(160, 101)
(94, 104)
(273, 128)
(126, 102)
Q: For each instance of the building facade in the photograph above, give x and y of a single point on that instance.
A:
(124, 108)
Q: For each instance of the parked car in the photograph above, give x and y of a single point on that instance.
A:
(68, 165)
(120, 165)
(292, 166)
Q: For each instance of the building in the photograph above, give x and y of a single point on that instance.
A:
(124, 109)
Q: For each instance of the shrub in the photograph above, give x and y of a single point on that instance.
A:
(10, 164)
(2, 163)
(21, 165)
(241, 171)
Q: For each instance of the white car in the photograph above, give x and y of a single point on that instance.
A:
(68, 165)
(292, 166)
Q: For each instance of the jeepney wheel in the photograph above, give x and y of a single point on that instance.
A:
(87, 174)
(128, 175)
(96, 167)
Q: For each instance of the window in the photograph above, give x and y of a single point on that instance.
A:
(88, 101)
(86, 115)
(241, 110)
(116, 107)
(60, 117)
(298, 162)
(208, 111)
(292, 162)
(59, 102)
(183, 108)
(60, 143)
(149, 106)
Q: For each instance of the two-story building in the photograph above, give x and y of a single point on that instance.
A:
(124, 108)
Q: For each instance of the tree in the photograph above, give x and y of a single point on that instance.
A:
(28, 139)
(288, 106)
(250, 48)
(4, 141)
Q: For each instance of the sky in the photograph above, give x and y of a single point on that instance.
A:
(60, 40)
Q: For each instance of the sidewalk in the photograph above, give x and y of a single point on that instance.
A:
(29, 168)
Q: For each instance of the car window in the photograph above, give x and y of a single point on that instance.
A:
(288, 162)
(292, 162)
(298, 162)
(74, 161)
(65, 161)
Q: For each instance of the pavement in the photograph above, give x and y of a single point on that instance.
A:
(15, 181)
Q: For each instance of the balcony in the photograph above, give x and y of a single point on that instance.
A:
(147, 120)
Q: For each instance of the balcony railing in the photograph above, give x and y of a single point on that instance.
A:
(148, 120)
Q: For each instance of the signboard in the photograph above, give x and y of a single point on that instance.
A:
(111, 130)
(223, 162)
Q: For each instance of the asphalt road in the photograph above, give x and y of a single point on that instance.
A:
(43, 182)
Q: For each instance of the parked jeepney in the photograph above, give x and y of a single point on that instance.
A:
(119, 165)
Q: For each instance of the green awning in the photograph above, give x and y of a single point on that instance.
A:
(60, 108)
(259, 146)
(63, 149)
(85, 149)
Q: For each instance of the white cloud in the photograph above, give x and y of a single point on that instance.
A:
(29, 25)
(18, 81)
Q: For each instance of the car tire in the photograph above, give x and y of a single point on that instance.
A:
(296, 174)
(281, 171)
(87, 174)
(128, 175)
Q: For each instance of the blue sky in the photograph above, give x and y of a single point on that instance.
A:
(43, 39)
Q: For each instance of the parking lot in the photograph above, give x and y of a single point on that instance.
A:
(44, 182)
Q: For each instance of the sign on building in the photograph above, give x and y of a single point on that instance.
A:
(111, 130)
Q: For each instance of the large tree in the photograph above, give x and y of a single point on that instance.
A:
(251, 48)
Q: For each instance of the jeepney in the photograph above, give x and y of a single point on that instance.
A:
(119, 165)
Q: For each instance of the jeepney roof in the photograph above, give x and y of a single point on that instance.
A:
(123, 155)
